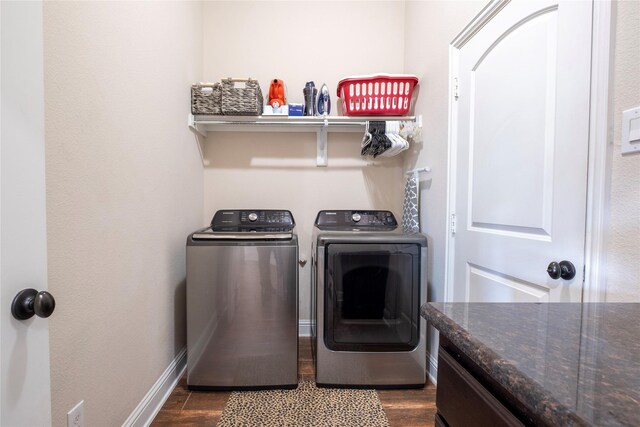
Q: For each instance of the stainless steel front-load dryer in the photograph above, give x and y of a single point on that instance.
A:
(242, 302)
(368, 283)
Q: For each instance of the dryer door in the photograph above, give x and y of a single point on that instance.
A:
(372, 297)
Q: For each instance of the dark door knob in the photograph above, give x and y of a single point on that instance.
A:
(562, 269)
(29, 302)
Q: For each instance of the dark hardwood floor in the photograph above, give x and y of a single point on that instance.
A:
(404, 408)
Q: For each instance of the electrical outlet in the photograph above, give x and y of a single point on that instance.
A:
(75, 417)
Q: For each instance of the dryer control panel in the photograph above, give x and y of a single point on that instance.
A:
(344, 219)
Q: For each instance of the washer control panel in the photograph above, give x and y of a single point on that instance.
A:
(343, 219)
(252, 220)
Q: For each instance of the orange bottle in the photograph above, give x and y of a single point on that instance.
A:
(276, 93)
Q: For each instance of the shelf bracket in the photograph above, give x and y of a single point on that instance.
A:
(194, 127)
(197, 134)
(321, 141)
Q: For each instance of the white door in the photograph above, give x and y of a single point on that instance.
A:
(25, 394)
(520, 129)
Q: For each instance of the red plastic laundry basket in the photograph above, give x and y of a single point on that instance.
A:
(377, 95)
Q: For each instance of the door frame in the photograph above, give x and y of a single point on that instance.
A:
(599, 150)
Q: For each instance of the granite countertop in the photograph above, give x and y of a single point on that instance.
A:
(568, 363)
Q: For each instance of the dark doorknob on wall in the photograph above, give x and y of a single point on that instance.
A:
(29, 302)
(562, 269)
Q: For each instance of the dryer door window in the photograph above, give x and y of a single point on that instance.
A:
(372, 297)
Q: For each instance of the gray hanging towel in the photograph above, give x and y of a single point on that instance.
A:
(410, 214)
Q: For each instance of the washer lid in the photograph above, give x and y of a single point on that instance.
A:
(209, 234)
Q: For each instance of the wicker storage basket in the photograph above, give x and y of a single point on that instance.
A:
(206, 98)
(241, 101)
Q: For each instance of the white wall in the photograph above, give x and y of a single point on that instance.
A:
(300, 41)
(623, 252)
(124, 188)
(430, 28)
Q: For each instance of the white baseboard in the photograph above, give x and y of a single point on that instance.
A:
(432, 369)
(304, 328)
(148, 408)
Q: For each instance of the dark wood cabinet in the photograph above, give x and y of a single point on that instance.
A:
(439, 422)
(467, 396)
(462, 401)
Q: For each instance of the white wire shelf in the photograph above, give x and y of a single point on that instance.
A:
(202, 125)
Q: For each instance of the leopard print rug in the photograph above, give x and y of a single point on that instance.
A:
(305, 406)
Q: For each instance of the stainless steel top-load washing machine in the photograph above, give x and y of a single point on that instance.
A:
(242, 302)
(368, 283)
